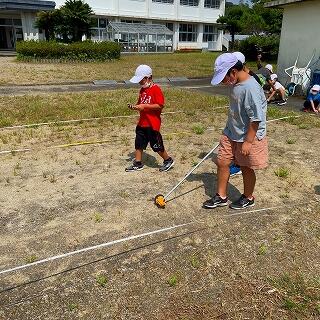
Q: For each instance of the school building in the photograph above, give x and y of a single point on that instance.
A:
(17, 20)
(140, 25)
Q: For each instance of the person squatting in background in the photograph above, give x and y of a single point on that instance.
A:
(277, 91)
(313, 99)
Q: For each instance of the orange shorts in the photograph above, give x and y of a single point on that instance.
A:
(256, 159)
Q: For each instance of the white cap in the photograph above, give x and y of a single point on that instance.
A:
(273, 77)
(269, 67)
(240, 56)
(315, 87)
(222, 65)
(141, 72)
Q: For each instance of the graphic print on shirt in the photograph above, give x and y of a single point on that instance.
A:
(145, 99)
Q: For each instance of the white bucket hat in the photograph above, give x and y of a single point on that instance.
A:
(269, 67)
(315, 87)
(240, 56)
(222, 65)
(141, 72)
(273, 77)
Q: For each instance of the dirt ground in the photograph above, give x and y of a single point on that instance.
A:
(221, 265)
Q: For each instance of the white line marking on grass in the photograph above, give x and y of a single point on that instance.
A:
(75, 121)
(196, 87)
(107, 244)
(251, 211)
(16, 150)
(271, 120)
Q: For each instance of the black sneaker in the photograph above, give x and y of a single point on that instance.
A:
(167, 164)
(215, 202)
(136, 166)
(281, 102)
(242, 202)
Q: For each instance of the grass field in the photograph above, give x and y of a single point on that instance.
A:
(163, 65)
(221, 265)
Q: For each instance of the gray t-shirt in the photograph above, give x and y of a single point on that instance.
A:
(247, 104)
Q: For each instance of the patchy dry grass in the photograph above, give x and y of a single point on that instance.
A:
(253, 265)
(54, 107)
(163, 65)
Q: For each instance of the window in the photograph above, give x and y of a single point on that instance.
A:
(169, 25)
(188, 33)
(215, 4)
(210, 33)
(103, 23)
(191, 3)
(163, 1)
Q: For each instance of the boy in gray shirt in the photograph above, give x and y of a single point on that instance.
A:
(244, 139)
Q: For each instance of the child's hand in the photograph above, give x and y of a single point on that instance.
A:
(130, 106)
(246, 147)
(139, 107)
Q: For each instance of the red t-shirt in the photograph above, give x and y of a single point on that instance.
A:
(151, 118)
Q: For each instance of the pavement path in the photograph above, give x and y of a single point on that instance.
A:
(203, 85)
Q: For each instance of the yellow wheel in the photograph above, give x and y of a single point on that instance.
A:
(160, 201)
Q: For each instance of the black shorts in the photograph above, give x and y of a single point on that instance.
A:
(145, 135)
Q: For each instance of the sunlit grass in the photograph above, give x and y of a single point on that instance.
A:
(193, 64)
(62, 106)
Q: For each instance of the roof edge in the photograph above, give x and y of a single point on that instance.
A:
(280, 3)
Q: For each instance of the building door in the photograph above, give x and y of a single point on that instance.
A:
(10, 33)
(6, 38)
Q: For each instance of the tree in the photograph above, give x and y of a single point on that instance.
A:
(75, 18)
(47, 21)
(272, 17)
(252, 23)
(231, 20)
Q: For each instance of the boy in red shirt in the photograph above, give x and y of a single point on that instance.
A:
(150, 104)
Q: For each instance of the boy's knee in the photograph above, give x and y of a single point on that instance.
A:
(222, 163)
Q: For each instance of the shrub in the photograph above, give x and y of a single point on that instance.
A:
(82, 51)
(269, 45)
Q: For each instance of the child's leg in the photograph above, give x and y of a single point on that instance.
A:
(249, 181)
(156, 143)
(283, 94)
(163, 154)
(138, 155)
(307, 105)
(223, 174)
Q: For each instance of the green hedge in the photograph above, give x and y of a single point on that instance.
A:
(82, 51)
(269, 45)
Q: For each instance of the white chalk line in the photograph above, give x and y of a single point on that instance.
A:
(106, 244)
(76, 121)
(251, 211)
(102, 245)
(196, 87)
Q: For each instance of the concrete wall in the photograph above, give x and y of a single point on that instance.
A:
(300, 33)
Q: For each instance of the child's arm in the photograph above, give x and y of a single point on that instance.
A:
(312, 106)
(271, 95)
(146, 107)
(251, 134)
